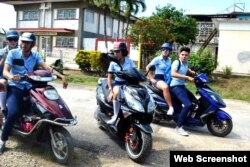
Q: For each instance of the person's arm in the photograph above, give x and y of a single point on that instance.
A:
(175, 74)
(110, 76)
(192, 72)
(4, 54)
(8, 75)
(150, 72)
(111, 70)
(151, 77)
(63, 78)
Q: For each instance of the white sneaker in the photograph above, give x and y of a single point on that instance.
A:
(170, 111)
(181, 131)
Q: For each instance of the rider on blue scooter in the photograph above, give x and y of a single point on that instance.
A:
(177, 86)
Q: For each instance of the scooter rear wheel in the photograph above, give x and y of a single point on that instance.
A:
(63, 148)
(220, 128)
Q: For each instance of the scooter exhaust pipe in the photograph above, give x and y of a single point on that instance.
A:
(71, 123)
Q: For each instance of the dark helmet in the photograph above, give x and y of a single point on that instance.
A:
(29, 37)
(12, 34)
(120, 46)
(166, 45)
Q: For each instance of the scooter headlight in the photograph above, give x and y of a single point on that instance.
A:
(133, 103)
(51, 94)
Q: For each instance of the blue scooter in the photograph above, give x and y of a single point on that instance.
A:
(206, 109)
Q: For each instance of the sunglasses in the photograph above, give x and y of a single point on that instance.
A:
(12, 39)
(163, 49)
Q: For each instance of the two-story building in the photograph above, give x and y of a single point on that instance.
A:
(64, 27)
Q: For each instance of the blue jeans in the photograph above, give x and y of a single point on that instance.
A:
(16, 107)
(182, 94)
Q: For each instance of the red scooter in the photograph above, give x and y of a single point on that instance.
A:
(47, 117)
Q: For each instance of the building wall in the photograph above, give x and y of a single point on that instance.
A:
(47, 18)
(70, 24)
(91, 26)
(234, 50)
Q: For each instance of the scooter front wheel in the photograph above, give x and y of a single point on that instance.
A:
(220, 128)
(138, 144)
(61, 145)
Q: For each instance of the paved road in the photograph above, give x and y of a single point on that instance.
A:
(95, 147)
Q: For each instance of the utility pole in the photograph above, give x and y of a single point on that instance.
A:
(139, 53)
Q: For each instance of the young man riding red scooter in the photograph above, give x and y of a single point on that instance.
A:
(17, 88)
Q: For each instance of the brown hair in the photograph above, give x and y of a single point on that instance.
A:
(185, 48)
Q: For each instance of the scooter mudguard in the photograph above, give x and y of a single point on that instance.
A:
(145, 128)
(222, 115)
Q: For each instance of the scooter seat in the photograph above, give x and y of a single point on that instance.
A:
(154, 89)
(160, 93)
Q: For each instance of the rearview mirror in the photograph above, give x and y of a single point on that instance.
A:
(19, 62)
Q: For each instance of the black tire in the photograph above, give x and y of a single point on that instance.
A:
(63, 150)
(138, 145)
(220, 128)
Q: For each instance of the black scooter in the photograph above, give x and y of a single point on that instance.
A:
(135, 116)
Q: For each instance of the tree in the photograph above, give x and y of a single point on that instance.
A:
(182, 27)
(167, 25)
(106, 5)
(153, 33)
(133, 6)
(114, 6)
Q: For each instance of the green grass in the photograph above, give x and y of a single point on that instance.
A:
(232, 88)
(85, 80)
(89, 79)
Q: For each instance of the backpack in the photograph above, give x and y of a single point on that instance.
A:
(167, 73)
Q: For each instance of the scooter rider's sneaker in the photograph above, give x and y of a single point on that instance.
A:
(2, 146)
(170, 111)
(181, 131)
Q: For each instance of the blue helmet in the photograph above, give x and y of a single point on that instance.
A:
(166, 45)
(12, 34)
(27, 36)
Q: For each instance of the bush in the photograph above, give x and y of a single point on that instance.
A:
(83, 60)
(92, 61)
(205, 62)
(227, 72)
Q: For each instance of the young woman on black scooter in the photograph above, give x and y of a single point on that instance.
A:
(120, 50)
